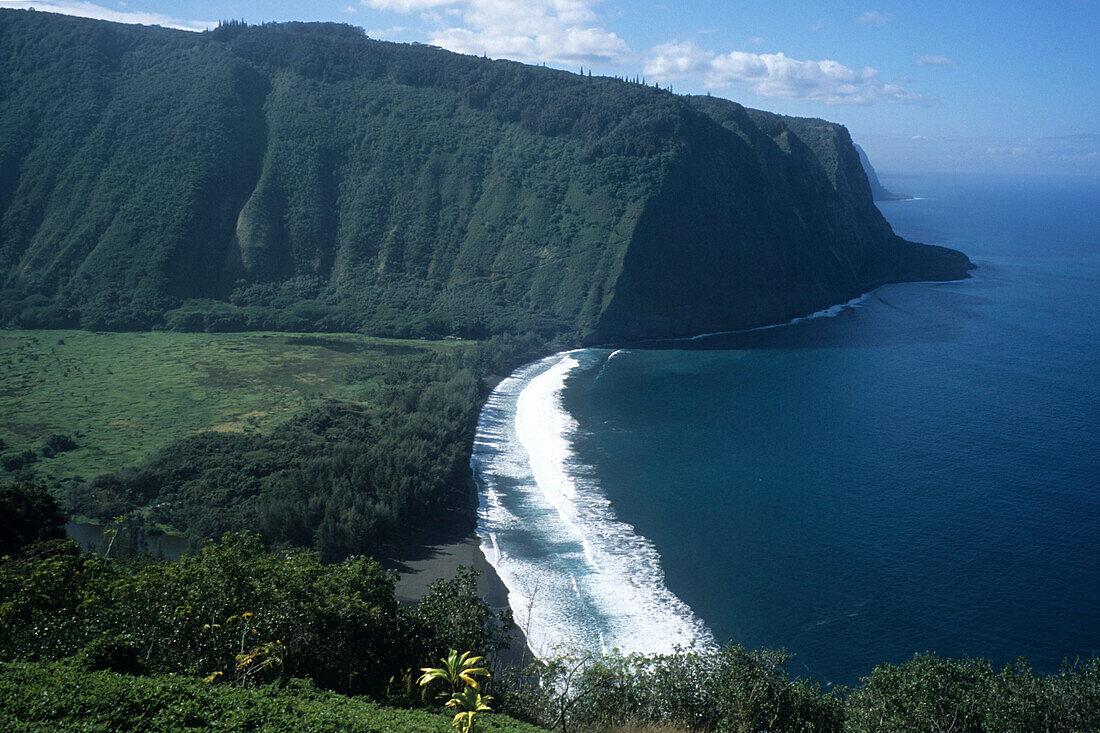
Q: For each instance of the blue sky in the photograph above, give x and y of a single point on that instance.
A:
(989, 86)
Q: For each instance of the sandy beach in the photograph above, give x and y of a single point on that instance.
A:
(441, 561)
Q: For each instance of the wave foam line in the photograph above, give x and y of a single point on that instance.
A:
(543, 429)
(830, 312)
(577, 577)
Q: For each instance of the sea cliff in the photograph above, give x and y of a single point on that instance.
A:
(306, 177)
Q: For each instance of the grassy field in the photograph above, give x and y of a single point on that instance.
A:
(121, 396)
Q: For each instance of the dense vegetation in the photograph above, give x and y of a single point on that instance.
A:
(239, 637)
(342, 478)
(304, 177)
(86, 403)
(286, 615)
(339, 443)
(738, 690)
(191, 636)
(30, 515)
(51, 697)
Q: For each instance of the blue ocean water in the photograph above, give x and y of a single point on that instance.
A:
(919, 471)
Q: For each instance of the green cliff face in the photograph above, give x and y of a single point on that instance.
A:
(878, 191)
(303, 176)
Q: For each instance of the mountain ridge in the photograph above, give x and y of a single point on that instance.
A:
(304, 177)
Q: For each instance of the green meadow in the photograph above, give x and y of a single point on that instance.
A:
(121, 396)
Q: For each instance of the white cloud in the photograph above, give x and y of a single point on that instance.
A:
(559, 31)
(932, 60)
(407, 6)
(91, 10)
(1074, 155)
(1065, 149)
(388, 33)
(874, 17)
(678, 60)
(774, 75)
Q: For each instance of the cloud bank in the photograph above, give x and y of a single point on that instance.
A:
(774, 75)
(1069, 155)
(556, 31)
(933, 60)
(91, 10)
(875, 18)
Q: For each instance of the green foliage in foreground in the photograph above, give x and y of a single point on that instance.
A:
(234, 613)
(63, 697)
(742, 691)
(932, 693)
(460, 676)
(249, 622)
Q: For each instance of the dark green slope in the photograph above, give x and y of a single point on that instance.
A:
(762, 220)
(878, 191)
(303, 176)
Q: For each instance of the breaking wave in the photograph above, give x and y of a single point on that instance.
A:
(577, 577)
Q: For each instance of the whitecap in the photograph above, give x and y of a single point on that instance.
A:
(577, 577)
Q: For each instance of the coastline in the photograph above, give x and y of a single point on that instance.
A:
(425, 560)
(580, 578)
(441, 561)
(606, 583)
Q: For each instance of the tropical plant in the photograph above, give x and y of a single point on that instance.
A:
(471, 702)
(459, 671)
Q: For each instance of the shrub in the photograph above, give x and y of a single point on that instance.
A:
(114, 654)
(30, 515)
(16, 460)
(57, 443)
(59, 696)
(234, 612)
(929, 692)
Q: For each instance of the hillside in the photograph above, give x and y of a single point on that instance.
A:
(306, 177)
(878, 191)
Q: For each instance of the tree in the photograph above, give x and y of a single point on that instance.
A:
(30, 515)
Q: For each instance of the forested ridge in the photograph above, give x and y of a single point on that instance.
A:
(305, 177)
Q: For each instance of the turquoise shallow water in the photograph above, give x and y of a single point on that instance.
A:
(919, 472)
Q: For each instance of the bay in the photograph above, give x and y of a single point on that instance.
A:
(918, 471)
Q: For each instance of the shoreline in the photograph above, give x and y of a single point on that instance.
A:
(441, 561)
(602, 586)
(441, 556)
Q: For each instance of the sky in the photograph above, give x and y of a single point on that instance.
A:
(990, 86)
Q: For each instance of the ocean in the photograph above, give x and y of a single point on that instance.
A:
(917, 470)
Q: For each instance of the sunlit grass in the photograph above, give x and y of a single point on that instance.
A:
(124, 395)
